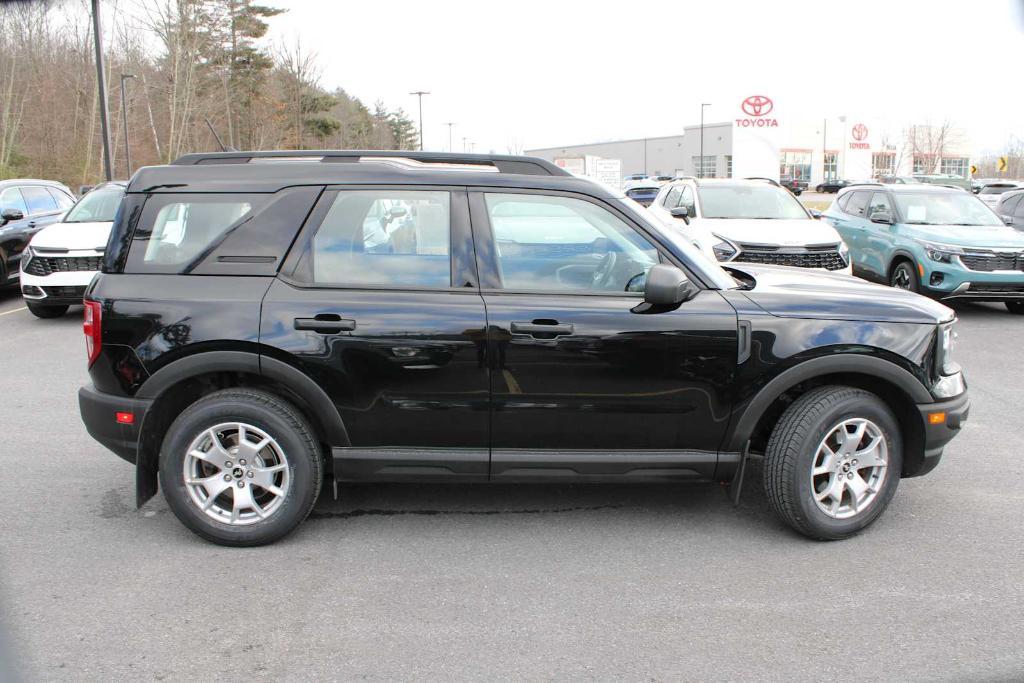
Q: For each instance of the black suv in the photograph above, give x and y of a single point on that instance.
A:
(26, 207)
(266, 321)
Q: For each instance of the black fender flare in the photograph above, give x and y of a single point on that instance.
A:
(817, 367)
(897, 255)
(201, 363)
(256, 364)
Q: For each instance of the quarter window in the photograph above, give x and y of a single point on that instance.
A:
(382, 237)
(63, 201)
(552, 243)
(38, 199)
(11, 199)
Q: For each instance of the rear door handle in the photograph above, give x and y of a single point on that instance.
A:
(542, 328)
(325, 323)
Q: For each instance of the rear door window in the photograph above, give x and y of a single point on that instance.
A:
(38, 199)
(386, 237)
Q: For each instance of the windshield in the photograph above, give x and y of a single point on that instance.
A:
(997, 189)
(944, 208)
(749, 201)
(99, 206)
(715, 275)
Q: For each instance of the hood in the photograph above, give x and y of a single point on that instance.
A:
(784, 231)
(972, 236)
(799, 293)
(73, 236)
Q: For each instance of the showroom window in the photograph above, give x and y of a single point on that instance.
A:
(796, 164)
(704, 167)
(728, 166)
(954, 166)
(923, 164)
(883, 164)
(831, 166)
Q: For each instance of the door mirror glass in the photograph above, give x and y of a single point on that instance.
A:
(667, 286)
(12, 215)
(881, 217)
(815, 213)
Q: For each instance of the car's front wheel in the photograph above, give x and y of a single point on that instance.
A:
(833, 462)
(46, 310)
(240, 467)
(904, 277)
(1015, 307)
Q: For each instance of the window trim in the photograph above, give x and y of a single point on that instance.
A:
(484, 240)
(462, 266)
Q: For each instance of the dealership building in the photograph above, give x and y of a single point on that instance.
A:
(764, 141)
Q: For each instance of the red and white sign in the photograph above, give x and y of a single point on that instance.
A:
(859, 133)
(757, 108)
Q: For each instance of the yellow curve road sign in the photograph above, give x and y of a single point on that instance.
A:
(1002, 164)
(974, 170)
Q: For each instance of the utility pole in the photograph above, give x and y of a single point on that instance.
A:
(101, 85)
(124, 122)
(450, 124)
(420, 94)
(700, 171)
(465, 146)
(824, 151)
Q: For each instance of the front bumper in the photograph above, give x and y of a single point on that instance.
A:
(56, 288)
(955, 282)
(936, 435)
(99, 413)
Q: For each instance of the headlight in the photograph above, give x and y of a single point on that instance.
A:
(26, 256)
(943, 253)
(944, 350)
(844, 253)
(723, 250)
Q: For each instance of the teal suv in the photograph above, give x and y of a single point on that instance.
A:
(938, 241)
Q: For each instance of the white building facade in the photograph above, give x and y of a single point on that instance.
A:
(765, 140)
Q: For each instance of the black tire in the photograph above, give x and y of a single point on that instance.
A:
(46, 310)
(1015, 307)
(793, 447)
(904, 276)
(278, 419)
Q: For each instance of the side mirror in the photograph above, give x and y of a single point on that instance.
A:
(681, 212)
(667, 286)
(1008, 220)
(11, 215)
(881, 217)
(396, 212)
(815, 213)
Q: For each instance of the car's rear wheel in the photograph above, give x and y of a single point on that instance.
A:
(240, 467)
(1015, 307)
(833, 462)
(904, 277)
(46, 310)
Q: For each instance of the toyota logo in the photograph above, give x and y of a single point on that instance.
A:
(757, 105)
(860, 131)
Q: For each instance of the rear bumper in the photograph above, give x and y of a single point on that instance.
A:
(936, 436)
(99, 413)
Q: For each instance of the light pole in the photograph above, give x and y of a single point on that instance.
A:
(101, 84)
(420, 94)
(841, 172)
(700, 172)
(124, 124)
(450, 124)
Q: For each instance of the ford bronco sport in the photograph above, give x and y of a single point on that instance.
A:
(267, 321)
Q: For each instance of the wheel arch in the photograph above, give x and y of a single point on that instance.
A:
(182, 382)
(897, 387)
(897, 256)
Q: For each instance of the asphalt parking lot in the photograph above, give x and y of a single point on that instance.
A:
(533, 582)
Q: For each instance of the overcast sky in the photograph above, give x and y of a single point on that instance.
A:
(544, 73)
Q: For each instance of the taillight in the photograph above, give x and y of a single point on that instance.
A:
(92, 326)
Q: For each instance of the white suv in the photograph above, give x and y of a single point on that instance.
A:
(62, 258)
(751, 221)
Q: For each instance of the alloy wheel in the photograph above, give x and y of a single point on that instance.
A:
(901, 278)
(849, 468)
(236, 473)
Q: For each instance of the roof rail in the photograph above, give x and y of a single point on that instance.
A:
(770, 180)
(437, 161)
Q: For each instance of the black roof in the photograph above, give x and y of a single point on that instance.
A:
(271, 171)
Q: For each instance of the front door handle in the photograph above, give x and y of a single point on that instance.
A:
(325, 323)
(539, 327)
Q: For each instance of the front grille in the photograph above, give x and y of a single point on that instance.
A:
(46, 265)
(65, 292)
(829, 260)
(997, 261)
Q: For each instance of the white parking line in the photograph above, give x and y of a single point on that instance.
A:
(15, 310)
